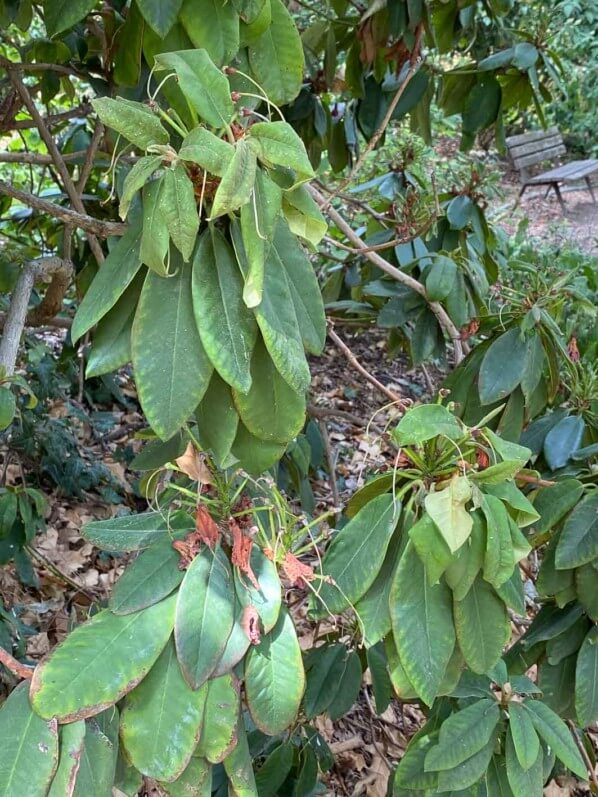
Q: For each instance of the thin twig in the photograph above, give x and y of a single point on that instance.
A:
(38, 159)
(332, 412)
(39, 67)
(14, 666)
(58, 323)
(363, 371)
(58, 573)
(524, 477)
(413, 67)
(443, 317)
(584, 753)
(81, 220)
(54, 119)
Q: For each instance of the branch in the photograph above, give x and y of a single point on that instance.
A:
(438, 310)
(14, 666)
(363, 371)
(81, 220)
(39, 67)
(413, 67)
(58, 323)
(19, 302)
(55, 119)
(39, 160)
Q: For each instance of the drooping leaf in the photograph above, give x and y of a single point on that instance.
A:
(587, 589)
(60, 15)
(447, 510)
(217, 419)
(556, 734)
(499, 559)
(151, 577)
(204, 85)
(355, 556)
(99, 756)
(109, 284)
(348, 687)
(553, 503)
(276, 57)
(236, 186)
(503, 366)
(463, 734)
(172, 370)
(177, 205)
(226, 327)
(462, 571)
(469, 771)
(71, 748)
(482, 626)
(578, 542)
(136, 122)
(207, 150)
(422, 625)
(136, 532)
(410, 773)
(304, 216)
(523, 781)
(254, 454)
(325, 668)
(155, 239)
(274, 678)
(162, 719)
(75, 682)
(431, 547)
(204, 615)
(267, 600)
(279, 145)
(270, 409)
(219, 731)
(373, 608)
(523, 734)
(29, 747)
(273, 772)
(213, 26)
(238, 765)
(195, 781)
(160, 15)
(140, 173)
(586, 680)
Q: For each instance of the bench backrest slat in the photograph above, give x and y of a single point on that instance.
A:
(528, 149)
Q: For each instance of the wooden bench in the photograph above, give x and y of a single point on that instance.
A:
(530, 149)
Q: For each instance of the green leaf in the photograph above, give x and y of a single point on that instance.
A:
(136, 122)
(60, 15)
(99, 756)
(276, 57)
(161, 720)
(499, 560)
(459, 211)
(238, 766)
(447, 509)
(348, 687)
(160, 15)
(71, 748)
(151, 577)
(463, 734)
(303, 288)
(271, 410)
(431, 547)
(482, 625)
(578, 542)
(422, 625)
(425, 422)
(177, 204)
(156, 453)
(355, 556)
(258, 220)
(586, 680)
(8, 407)
(137, 177)
(469, 772)
(503, 366)
(279, 145)
(236, 645)
(237, 183)
(226, 327)
(512, 594)
(213, 26)
(410, 773)
(75, 682)
(275, 769)
(402, 686)
(303, 215)
(381, 685)
(326, 665)
(267, 600)
(203, 84)
(195, 781)
(525, 511)
(274, 678)
(563, 440)
(109, 284)
(135, 532)
(534, 367)
(207, 150)
(155, 237)
(204, 615)
(373, 607)
(111, 347)
(524, 781)
(128, 43)
(172, 370)
(440, 278)
(255, 455)
(217, 419)
(29, 748)
(219, 732)
(524, 737)
(587, 589)
(553, 503)
(556, 734)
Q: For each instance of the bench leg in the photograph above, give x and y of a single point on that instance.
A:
(557, 191)
(519, 195)
(590, 189)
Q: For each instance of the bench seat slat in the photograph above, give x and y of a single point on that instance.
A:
(538, 157)
(535, 135)
(535, 146)
(576, 170)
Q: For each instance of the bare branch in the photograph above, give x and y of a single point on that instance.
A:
(57, 323)
(81, 220)
(14, 666)
(39, 67)
(54, 119)
(438, 310)
(37, 159)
